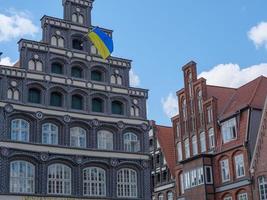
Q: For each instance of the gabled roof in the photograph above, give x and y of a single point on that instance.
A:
(231, 100)
(165, 138)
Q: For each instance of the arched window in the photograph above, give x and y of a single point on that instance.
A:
(161, 197)
(262, 187)
(94, 182)
(80, 19)
(184, 109)
(97, 105)
(56, 99)
(242, 196)
(77, 18)
(13, 94)
(35, 65)
(116, 79)
(77, 102)
(34, 95)
(96, 75)
(77, 137)
(59, 179)
(211, 138)
(105, 140)
(22, 176)
(74, 17)
(77, 44)
(203, 142)
(76, 72)
(57, 68)
(127, 183)
(170, 196)
(20, 130)
(117, 108)
(131, 142)
(49, 134)
(57, 41)
(135, 111)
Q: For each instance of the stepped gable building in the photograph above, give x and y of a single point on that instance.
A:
(215, 136)
(162, 150)
(71, 127)
(259, 163)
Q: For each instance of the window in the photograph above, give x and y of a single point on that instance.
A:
(227, 198)
(57, 41)
(76, 72)
(187, 148)
(243, 196)
(193, 178)
(57, 68)
(184, 110)
(94, 182)
(49, 134)
(181, 177)
(22, 176)
(20, 130)
(77, 137)
(211, 138)
(161, 197)
(208, 174)
(194, 144)
(59, 179)
(77, 44)
(190, 84)
(225, 171)
(131, 142)
(77, 102)
(117, 108)
(34, 96)
(35, 65)
(96, 76)
(13, 94)
(127, 183)
(199, 101)
(56, 99)
(74, 18)
(179, 151)
(239, 166)
(228, 130)
(105, 140)
(77, 18)
(200, 176)
(210, 115)
(97, 105)
(203, 142)
(135, 111)
(116, 79)
(262, 188)
(187, 180)
(178, 130)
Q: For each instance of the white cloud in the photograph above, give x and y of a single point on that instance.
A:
(231, 75)
(258, 34)
(170, 105)
(134, 79)
(6, 61)
(16, 25)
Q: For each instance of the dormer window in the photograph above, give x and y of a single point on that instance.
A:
(228, 130)
(77, 44)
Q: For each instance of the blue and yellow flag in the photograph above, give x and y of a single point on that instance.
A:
(102, 42)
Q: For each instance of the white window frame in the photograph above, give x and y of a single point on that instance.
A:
(179, 151)
(181, 178)
(20, 130)
(22, 177)
(170, 196)
(59, 177)
(200, 176)
(227, 198)
(262, 183)
(203, 145)
(225, 170)
(211, 138)
(127, 183)
(94, 182)
(160, 197)
(210, 114)
(187, 148)
(131, 142)
(239, 166)
(243, 196)
(105, 140)
(229, 130)
(78, 137)
(51, 134)
(206, 175)
(194, 145)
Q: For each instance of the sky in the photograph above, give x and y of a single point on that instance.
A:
(227, 39)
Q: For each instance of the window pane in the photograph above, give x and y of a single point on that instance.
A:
(76, 72)
(77, 102)
(97, 105)
(57, 68)
(34, 96)
(117, 108)
(96, 76)
(56, 99)
(77, 44)
(127, 183)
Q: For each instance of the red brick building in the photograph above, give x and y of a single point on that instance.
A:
(215, 135)
(259, 162)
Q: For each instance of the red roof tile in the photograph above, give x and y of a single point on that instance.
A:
(166, 140)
